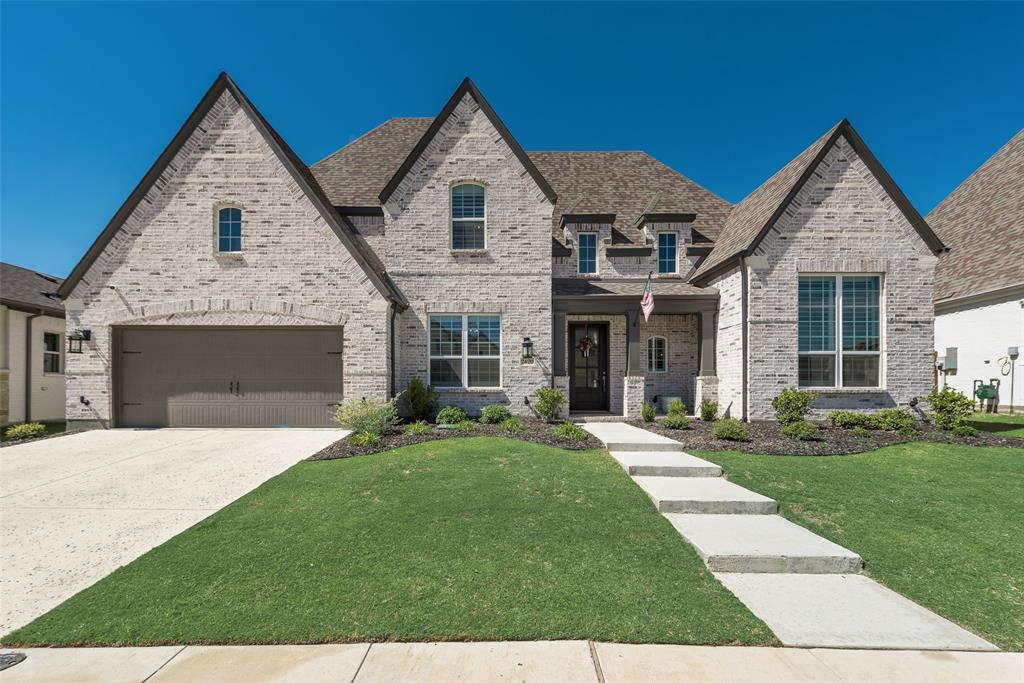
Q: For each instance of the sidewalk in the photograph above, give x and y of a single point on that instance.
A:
(562, 661)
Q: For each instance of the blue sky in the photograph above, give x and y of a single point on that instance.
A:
(725, 93)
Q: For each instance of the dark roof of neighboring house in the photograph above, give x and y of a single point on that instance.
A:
(580, 287)
(982, 222)
(29, 290)
(751, 219)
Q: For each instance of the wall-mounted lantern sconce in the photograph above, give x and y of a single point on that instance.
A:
(527, 351)
(76, 338)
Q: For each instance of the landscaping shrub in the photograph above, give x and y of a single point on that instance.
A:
(675, 421)
(494, 413)
(731, 429)
(676, 407)
(567, 431)
(708, 410)
(792, 405)
(860, 433)
(802, 431)
(26, 430)
(368, 415)
(895, 420)
(549, 402)
(647, 412)
(966, 431)
(367, 439)
(451, 415)
(420, 400)
(511, 425)
(417, 428)
(466, 426)
(950, 407)
(848, 419)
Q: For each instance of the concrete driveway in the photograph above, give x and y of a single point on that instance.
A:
(77, 507)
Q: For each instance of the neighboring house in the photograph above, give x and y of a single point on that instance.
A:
(31, 346)
(236, 286)
(979, 283)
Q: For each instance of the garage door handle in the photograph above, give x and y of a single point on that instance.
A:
(231, 387)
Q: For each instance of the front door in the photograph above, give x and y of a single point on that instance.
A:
(588, 366)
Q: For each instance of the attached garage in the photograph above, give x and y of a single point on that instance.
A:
(227, 377)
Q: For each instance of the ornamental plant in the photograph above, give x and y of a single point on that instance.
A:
(26, 430)
(801, 431)
(494, 414)
(676, 407)
(708, 410)
(567, 431)
(549, 402)
(731, 429)
(451, 415)
(647, 412)
(511, 425)
(367, 415)
(675, 421)
(420, 400)
(792, 405)
(417, 428)
(951, 407)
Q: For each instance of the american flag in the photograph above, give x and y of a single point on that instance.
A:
(647, 302)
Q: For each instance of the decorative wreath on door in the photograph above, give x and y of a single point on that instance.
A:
(585, 345)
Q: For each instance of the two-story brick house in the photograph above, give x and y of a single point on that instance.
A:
(237, 286)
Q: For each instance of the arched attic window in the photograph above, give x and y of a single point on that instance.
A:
(229, 230)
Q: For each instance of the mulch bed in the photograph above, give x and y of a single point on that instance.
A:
(534, 431)
(766, 439)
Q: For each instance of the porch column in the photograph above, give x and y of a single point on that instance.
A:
(558, 344)
(706, 323)
(634, 362)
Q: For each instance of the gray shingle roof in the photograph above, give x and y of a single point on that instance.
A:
(982, 222)
(24, 288)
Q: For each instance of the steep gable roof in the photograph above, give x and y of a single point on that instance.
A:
(24, 289)
(753, 217)
(982, 221)
(466, 87)
(341, 226)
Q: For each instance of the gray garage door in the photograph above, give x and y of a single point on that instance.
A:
(203, 377)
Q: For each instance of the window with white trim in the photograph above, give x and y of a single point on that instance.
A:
(846, 308)
(465, 351)
(469, 216)
(657, 354)
(667, 252)
(51, 352)
(586, 243)
(229, 230)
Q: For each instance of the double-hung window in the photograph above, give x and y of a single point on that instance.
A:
(587, 252)
(657, 354)
(667, 252)
(469, 216)
(51, 352)
(229, 230)
(465, 351)
(840, 341)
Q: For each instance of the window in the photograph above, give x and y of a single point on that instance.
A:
(657, 354)
(587, 242)
(846, 307)
(229, 230)
(667, 252)
(465, 351)
(469, 213)
(51, 352)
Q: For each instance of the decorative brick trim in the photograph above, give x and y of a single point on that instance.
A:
(259, 305)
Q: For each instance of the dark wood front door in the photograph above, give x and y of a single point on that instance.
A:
(588, 366)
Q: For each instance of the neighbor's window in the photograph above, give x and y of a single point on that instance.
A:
(847, 308)
(587, 242)
(657, 354)
(51, 352)
(465, 351)
(229, 230)
(667, 252)
(469, 215)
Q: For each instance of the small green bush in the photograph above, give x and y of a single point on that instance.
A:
(420, 400)
(860, 433)
(792, 405)
(26, 430)
(549, 402)
(511, 425)
(802, 431)
(895, 420)
(848, 419)
(417, 428)
(731, 429)
(675, 421)
(451, 415)
(965, 431)
(465, 425)
(367, 439)
(567, 431)
(647, 412)
(708, 410)
(950, 406)
(368, 415)
(494, 413)
(676, 407)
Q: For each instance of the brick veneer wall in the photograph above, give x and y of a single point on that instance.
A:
(680, 332)
(729, 343)
(162, 266)
(625, 266)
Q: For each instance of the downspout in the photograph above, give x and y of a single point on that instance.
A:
(28, 364)
(743, 327)
(391, 344)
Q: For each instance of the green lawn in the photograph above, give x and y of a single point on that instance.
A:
(943, 525)
(477, 538)
(1001, 423)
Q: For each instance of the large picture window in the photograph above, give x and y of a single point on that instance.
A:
(840, 343)
(469, 215)
(465, 351)
(587, 242)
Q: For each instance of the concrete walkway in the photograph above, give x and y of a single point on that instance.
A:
(808, 590)
(505, 662)
(75, 508)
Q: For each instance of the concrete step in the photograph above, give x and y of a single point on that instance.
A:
(845, 610)
(763, 544)
(704, 495)
(665, 464)
(619, 436)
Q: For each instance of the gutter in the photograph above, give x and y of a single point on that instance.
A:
(28, 363)
(743, 326)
